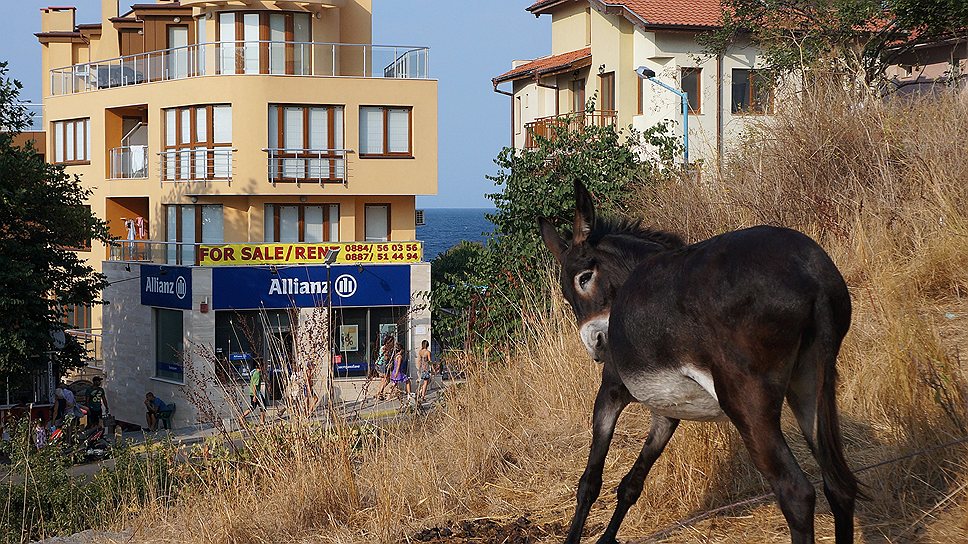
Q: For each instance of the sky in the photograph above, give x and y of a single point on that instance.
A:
(470, 42)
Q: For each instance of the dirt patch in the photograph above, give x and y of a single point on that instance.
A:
(518, 531)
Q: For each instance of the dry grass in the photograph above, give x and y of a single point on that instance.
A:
(881, 186)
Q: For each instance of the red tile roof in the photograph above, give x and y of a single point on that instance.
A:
(546, 65)
(660, 13)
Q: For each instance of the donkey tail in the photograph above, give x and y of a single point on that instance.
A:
(830, 446)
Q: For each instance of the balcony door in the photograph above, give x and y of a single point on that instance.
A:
(188, 224)
(264, 43)
(178, 51)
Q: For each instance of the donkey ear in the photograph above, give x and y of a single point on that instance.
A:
(556, 244)
(584, 213)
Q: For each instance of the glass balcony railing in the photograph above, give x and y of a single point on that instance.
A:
(129, 162)
(245, 57)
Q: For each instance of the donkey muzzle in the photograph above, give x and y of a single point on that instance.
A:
(594, 334)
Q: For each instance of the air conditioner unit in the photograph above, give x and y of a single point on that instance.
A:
(419, 218)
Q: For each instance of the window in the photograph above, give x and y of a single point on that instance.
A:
(752, 91)
(77, 316)
(606, 86)
(640, 96)
(80, 245)
(310, 223)
(385, 131)
(198, 143)
(169, 345)
(306, 143)
(72, 141)
(264, 42)
(578, 96)
(517, 115)
(690, 84)
(588, 26)
(377, 222)
(188, 224)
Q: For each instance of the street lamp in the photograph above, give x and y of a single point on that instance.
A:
(648, 74)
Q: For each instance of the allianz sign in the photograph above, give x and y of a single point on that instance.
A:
(166, 286)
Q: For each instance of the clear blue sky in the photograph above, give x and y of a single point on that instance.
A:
(470, 42)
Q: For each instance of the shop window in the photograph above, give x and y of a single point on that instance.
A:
(357, 336)
(189, 224)
(306, 143)
(752, 91)
(690, 83)
(72, 141)
(291, 223)
(386, 131)
(198, 143)
(377, 222)
(169, 345)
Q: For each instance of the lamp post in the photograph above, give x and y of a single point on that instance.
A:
(328, 261)
(649, 75)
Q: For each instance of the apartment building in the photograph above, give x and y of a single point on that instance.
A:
(596, 46)
(256, 161)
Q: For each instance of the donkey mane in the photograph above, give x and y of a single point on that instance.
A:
(632, 230)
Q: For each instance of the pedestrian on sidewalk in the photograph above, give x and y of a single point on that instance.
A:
(255, 394)
(383, 362)
(97, 404)
(399, 374)
(423, 366)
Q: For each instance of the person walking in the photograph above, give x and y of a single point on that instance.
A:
(255, 394)
(399, 374)
(383, 362)
(423, 366)
(97, 404)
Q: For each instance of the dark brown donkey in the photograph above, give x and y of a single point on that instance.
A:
(725, 328)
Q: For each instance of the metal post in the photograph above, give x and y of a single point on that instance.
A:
(649, 75)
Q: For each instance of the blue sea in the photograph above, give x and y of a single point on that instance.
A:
(445, 227)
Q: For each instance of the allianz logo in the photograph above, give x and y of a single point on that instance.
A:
(178, 287)
(344, 286)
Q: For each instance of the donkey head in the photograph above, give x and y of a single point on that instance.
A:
(588, 279)
(596, 262)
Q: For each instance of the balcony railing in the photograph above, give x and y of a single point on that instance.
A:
(129, 162)
(90, 340)
(549, 127)
(197, 164)
(151, 251)
(307, 165)
(245, 57)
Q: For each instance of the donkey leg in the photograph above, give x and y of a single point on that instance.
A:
(612, 398)
(754, 408)
(631, 487)
(804, 397)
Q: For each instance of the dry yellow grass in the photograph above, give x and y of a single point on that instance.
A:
(881, 186)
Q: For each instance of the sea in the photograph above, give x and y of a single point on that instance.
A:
(446, 227)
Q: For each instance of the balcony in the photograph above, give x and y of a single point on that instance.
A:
(307, 165)
(197, 164)
(129, 162)
(311, 59)
(549, 127)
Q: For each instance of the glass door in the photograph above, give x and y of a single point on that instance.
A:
(178, 51)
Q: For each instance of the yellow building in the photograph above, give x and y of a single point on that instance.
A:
(596, 46)
(201, 123)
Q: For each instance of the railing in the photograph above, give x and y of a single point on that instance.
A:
(245, 57)
(90, 340)
(197, 164)
(129, 162)
(151, 251)
(300, 165)
(548, 127)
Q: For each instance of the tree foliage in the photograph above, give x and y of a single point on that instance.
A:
(480, 300)
(866, 35)
(42, 215)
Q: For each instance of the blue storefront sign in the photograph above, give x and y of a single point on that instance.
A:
(253, 288)
(166, 286)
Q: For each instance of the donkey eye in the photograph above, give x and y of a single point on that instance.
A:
(583, 279)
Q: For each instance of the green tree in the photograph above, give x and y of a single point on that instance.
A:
(482, 298)
(866, 35)
(42, 215)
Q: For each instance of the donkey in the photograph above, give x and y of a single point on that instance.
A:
(721, 329)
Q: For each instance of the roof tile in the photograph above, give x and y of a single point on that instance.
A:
(545, 64)
(690, 13)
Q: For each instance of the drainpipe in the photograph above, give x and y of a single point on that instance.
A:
(649, 75)
(505, 93)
